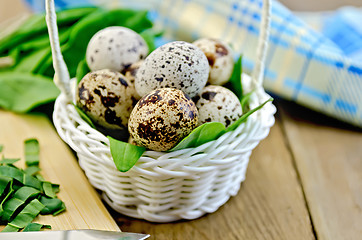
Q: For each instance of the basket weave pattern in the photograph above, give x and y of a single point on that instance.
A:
(164, 187)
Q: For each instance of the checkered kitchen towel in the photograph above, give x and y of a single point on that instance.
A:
(318, 69)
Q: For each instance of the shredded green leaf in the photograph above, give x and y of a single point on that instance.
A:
(31, 152)
(18, 201)
(31, 227)
(32, 170)
(10, 228)
(28, 214)
(9, 161)
(1, 148)
(24, 194)
(48, 190)
(52, 205)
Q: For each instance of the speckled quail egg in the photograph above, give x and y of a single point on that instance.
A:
(115, 48)
(130, 74)
(162, 118)
(218, 104)
(105, 96)
(220, 58)
(179, 65)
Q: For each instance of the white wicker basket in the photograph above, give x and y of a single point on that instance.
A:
(164, 187)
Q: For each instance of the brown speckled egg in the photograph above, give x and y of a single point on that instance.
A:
(130, 74)
(106, 97)
(179, 65)
(218, 104)
(162, 118)
(115, 48)
(220, 59)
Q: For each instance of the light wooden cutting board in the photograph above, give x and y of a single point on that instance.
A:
(85, 210)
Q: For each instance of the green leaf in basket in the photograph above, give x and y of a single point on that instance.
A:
(211, 131)
(200, 135)
(82, 70)
(125, 155)
(235, 80)
(20, 92)
(84, 116)
(245, 101)
(243, 118)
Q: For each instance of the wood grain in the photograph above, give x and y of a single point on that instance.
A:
(320, 5)
(84, 207)
(269, 205)
(328, 156)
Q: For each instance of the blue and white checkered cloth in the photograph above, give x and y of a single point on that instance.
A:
(320, 69)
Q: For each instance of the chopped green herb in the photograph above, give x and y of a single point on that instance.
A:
(31, 152)
(1, 148)
(9, 161)
(24, 194)
(27, 215)
(10, 228)
(18, 201)
(31, 227)
(48, 190)
(32, 170)
(52, 205)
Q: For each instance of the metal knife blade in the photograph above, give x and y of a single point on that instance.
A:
(83, 234)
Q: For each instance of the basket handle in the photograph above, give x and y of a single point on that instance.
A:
(261, 51)
(61, 76)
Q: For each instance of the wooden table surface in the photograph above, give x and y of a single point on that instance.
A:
(304, 181)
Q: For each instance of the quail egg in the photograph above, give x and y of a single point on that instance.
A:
(162, 118)
(220, 59)
(106, 98)
(179, 65)
(130, 74)
(115, 48)
(218, 104)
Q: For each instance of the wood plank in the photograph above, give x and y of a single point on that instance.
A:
(328, 155)
(84, 207)
(320, 5)
(269, 205)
